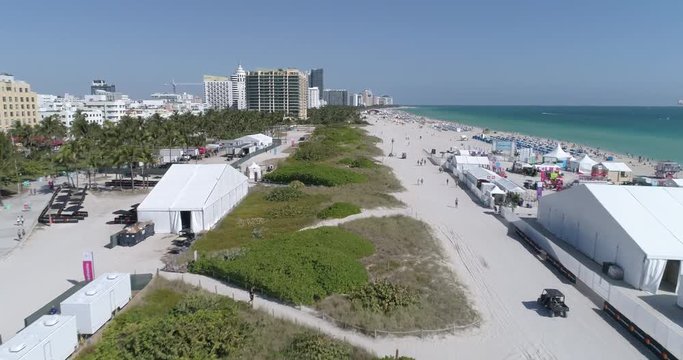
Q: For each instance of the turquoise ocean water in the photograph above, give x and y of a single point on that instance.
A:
(654, 132)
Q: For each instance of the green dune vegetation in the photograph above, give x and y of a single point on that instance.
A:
(383, 274)
(172, 320)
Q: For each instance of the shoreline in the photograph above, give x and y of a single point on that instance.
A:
(622, 153)
(645, 167)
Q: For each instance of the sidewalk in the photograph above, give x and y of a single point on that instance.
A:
(13, 207)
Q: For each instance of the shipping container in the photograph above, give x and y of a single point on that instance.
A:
(95, 303)
(51, 337)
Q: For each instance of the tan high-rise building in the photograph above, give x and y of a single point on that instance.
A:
(17, 103)
(282, 90)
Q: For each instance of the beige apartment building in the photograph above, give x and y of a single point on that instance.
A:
(282, 90)
(17, 103)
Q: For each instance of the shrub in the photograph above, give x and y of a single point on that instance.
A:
(315, 151)
(300, 268)
(359, 162)
(200, 326)
(383, 296)
(284, 194)
(339, 210)
(314, 174)
(296, 184)
(316, 347)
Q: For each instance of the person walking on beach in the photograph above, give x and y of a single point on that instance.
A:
(19, 234)
(251, 295)
(22, 220)
(446, 181)
(456, 203)
(18, 221)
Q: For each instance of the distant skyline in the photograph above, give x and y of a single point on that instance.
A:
(494, 52)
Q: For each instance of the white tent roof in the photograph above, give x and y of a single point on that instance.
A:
(482, 174)
(678, 182)
(189, 186)
(558, 153)
(497, 191)
(587, 161)
(255, 166)
(259, 138)
(650, 215)
(471, 160)
(615, 166)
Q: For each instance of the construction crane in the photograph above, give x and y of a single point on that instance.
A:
(175, 84)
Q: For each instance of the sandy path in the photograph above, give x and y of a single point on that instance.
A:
(380, 212)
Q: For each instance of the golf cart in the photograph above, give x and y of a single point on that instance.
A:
(553, 300)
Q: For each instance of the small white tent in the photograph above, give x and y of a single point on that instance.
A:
(582, 166)
(557, 155)
(193, 196)
(254, 172)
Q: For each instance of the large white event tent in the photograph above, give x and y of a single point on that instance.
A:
(583, 166)
(636, 227)
(557, 155)
(193, 197)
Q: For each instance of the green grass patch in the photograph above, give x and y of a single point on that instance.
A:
(421, 291)
(313, 174)
(301, 268)
(171, 320)
(284, 194)
(258, 218)
(339, 210)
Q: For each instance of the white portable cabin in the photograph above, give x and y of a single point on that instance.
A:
(94, 304)
(51, 337)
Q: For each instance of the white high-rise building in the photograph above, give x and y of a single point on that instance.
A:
(313, 98)
(355, 100)
(218, 91)
(239, 89)
(368, 99)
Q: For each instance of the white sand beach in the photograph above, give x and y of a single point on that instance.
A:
(502, 277)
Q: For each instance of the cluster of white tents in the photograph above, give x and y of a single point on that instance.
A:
(582, 166)
(193, 197)
(568, 162)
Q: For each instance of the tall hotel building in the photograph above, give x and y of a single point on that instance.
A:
(218, 91)
(281, 90)
(239, 89)
(315, 79)
(17, 103)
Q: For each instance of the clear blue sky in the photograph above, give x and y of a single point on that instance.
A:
(594, 52)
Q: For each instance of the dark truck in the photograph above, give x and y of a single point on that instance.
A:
(553, 300)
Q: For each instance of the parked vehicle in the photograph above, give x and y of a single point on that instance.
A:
(553, 300)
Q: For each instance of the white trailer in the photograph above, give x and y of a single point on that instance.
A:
(51, 337)
(95, 303)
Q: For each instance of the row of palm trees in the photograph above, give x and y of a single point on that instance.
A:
(50, 146)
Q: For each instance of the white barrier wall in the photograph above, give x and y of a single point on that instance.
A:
(663, 330)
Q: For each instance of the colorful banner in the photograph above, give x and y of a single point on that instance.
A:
(88, 266)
